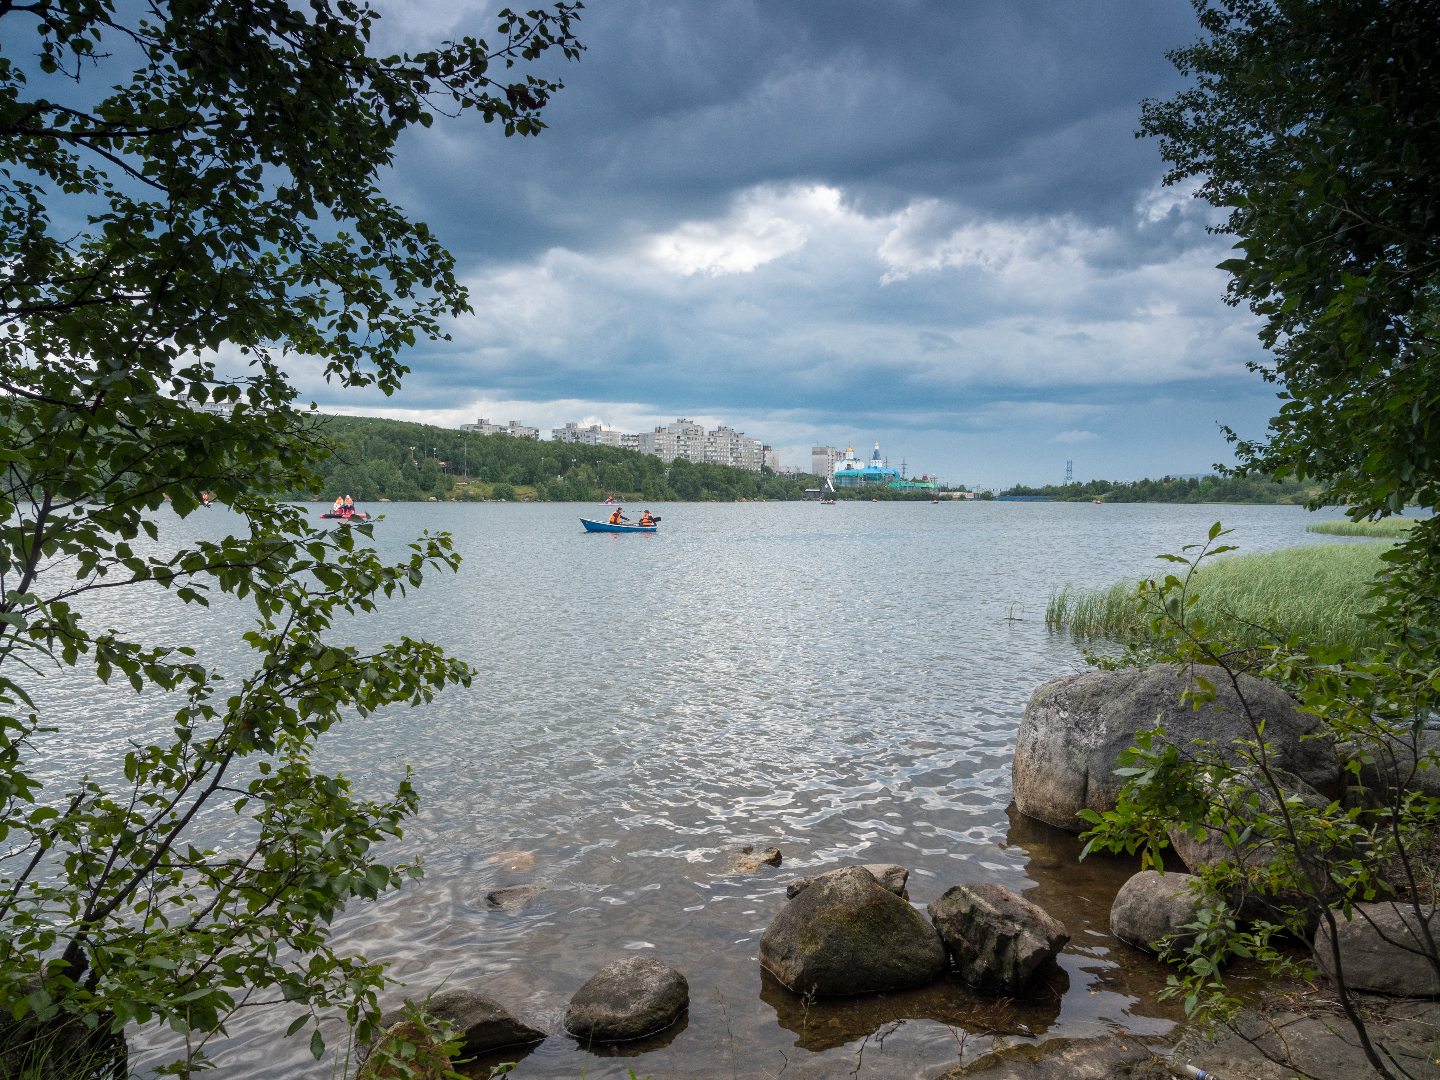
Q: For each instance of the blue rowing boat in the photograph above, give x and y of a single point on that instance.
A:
(605, 526)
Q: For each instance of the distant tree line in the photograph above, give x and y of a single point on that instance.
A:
(1173, 489)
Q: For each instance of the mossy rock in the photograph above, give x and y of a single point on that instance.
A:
(847, 934)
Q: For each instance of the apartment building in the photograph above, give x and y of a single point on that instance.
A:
(684, 439)
(681, 439)
(591, 435)
(770, 456)
(726, 446)
(823, 459)
(515, 429)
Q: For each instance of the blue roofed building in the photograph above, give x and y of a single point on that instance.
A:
(851, 472)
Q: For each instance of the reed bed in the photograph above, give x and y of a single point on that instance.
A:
(1318, 591)
(1391, 528)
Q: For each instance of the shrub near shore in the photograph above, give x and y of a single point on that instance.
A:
(1320, 591)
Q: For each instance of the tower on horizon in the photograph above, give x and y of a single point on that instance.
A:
(1069, 473)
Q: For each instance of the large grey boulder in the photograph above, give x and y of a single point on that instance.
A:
(999, 940)
(627, 999)
(848, 934)
(1259, 849)
(1151, 905)
(891, 876)
(1408, 762)
(1076, 726)
(1381, 949)
(482, 1022)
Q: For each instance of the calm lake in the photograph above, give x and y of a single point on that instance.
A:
(842, 682)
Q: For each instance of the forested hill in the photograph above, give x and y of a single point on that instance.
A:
(1211, 489)
(376, 459)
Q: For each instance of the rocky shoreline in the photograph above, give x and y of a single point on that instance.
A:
(853, 930)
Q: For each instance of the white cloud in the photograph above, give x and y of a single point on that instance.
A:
(926, 237)
(926, 323)
(763, 226)
(1159, 201)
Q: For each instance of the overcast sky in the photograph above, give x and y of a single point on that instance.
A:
(830, 223)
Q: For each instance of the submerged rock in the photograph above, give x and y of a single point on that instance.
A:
(480, 1021)
(516, 862)
(999, 940)
(1076, 726)
(1151, 905)
(846, 934)
(513, 897)
(890, 876)
(1370, 962)
(749, 860)
(627, 999)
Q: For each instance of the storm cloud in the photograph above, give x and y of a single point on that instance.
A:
(925, 223)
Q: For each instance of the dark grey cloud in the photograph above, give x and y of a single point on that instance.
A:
(929, 223)
(1009, 109)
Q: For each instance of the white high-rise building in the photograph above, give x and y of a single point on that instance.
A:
(823, 459)
(681, 439)
(684, 439)
(591, 435)
(515, 429)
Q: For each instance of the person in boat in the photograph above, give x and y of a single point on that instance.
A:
(646, 521)
(339, 504)
(349, 505)
(618, 517)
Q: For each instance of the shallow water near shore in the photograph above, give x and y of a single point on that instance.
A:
(841, 682)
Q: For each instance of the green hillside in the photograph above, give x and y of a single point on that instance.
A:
(374, 460)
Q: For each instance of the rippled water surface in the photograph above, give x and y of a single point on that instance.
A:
(842, 682)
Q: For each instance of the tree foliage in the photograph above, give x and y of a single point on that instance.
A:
(1289, 864)
(1317, 124)
(188, 197)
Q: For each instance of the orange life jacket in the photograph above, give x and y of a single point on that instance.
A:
(615, 518)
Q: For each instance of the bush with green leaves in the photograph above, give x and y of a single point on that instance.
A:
(1288, 862)
(188, 196)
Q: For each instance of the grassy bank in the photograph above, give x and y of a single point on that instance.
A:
(1318, 591)
(1391, 528)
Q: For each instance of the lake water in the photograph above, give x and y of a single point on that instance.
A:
(842, 682)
